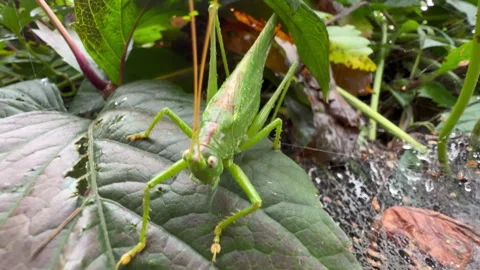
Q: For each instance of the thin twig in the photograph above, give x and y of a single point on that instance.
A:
(345, 12)
(56, 231)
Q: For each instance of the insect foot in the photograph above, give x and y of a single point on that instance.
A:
(215, 248)
(137, 136)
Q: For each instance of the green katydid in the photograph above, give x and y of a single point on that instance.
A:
(231, 123)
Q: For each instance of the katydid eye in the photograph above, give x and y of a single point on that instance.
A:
(212, 161)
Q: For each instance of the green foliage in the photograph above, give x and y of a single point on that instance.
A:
(51, 153)
(106, 28)
(438, 93)
(455, 57)
(87, 99)
(349, 48)
(469, 116)
(310, 35)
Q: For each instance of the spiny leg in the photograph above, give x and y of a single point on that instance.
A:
(165, 111)
(253, 196)
(173, 170)
(275, 124)
(279, 94)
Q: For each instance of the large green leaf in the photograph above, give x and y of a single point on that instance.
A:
(438, 93)
(105, 28)
(469, 117)
(36, 95)
(42, 162)
(456, 57)
(349, 48)
(311, 37)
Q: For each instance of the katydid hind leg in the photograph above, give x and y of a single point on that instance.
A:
(165, 111)
(242, 179)
(277, 97)
(173, 170)
(263, 133)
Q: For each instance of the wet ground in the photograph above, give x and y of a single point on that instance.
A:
(357, 190)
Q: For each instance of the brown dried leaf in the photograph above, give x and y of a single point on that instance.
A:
(238, 38)
(355, 81)
(444, 238)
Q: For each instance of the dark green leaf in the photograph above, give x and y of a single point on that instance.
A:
(311, 37)
(403, 97)
(105, 28)
(408, 26)
(438, 93)
(149, 63)
(402, 3)
(152, 24)
(40, 189)
(88, 99)
(14, 19)
(469, 117)
(36, 95)
(455, 57)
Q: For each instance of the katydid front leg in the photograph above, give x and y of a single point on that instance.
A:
(165, 111)
(173, 170)
(253, 196)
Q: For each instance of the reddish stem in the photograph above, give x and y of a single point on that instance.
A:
(87, 70)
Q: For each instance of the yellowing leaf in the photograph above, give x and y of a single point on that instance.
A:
(349, 48)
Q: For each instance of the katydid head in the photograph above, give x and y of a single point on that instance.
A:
(206, 165)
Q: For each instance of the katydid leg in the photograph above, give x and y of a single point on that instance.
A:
(253, 196)
(173, 170)
(278, 97)
(275, 124)
(165, 111)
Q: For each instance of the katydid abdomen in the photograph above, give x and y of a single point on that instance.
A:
(231, 111)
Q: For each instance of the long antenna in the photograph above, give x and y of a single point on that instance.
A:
(196, 93)
(198, 78)
(211, 17)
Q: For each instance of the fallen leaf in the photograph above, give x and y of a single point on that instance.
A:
(447, 240)
(238, 38)
(355, 81)
(259, 25)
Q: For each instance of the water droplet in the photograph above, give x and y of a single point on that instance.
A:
(467, 186)
(407, 146)
(429, 185)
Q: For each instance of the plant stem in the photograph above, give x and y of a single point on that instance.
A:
(372, 129)
(405, 37)
(69, 81)
(396, 131)
(90, 74)
(415, 64)
(433, 75)
(467, 90)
